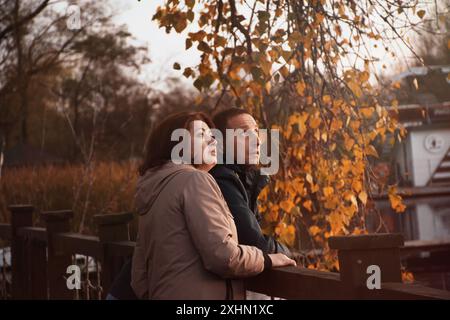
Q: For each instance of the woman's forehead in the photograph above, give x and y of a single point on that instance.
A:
(199, 124)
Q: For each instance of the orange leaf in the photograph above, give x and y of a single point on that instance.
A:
(363, 197)
(307, 204)
(300, 87)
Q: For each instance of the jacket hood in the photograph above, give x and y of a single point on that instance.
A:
(152, 183)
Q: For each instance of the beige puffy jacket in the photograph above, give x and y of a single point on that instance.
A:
(187, 241)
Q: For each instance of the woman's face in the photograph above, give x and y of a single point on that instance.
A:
(203, 145)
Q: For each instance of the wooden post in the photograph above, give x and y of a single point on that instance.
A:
(357, 253)
(21, 216)
(37, 253)
(58, 261)
(111, 228)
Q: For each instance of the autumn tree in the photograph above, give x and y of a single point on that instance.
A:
(303, 67)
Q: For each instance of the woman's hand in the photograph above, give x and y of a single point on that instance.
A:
(281, 260)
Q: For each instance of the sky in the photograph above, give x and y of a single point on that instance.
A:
(166, 49)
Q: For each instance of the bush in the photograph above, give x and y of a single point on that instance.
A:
(101, 187)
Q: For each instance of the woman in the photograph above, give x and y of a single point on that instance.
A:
(187, 247)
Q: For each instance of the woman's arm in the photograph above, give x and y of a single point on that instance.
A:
(209, 223)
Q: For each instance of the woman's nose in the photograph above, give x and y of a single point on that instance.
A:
(212, 141)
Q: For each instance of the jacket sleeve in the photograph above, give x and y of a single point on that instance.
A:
(139, 271)
(212, 233)
(248, 228)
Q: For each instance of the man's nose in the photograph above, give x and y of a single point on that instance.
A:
(258, 139)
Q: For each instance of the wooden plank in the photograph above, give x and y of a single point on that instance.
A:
(33, 233)
(75, 243)
(425, 245)
(403, 291)
(299, 283)
(366, 241)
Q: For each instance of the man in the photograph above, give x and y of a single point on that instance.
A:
(241, 183)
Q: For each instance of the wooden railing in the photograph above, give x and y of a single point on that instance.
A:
(40, 257)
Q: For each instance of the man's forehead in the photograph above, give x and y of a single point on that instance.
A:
(242, 121)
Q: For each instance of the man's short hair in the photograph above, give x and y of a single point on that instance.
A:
(221, 118)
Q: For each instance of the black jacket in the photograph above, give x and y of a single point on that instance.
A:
(241, 186)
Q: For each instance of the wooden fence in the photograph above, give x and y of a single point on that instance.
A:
(40, 258)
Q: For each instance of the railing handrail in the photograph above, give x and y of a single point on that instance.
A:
(286, 282)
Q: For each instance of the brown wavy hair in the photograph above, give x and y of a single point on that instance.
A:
(158, 147)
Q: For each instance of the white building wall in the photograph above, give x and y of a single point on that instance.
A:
(424, 158)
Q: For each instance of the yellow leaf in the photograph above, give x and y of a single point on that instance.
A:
(326, 99)
(190, 3)
(317, 135)
(308, 204)
(356, 185)
(349, 142)
(300, 87)
(313, 230)
(336, 223)
(396, 200)
(370, 150)
(286, 205)
(336, 124)
(327, 191)
(286, 233)
(421, 13)
(314, 122)
(363, 197)
(349, 196)
(319, 18)
(407, 276)
(367, 112)
(364, 76)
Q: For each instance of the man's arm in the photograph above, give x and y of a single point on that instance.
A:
(248, 228)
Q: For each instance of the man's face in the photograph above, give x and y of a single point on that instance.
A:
(249, 141)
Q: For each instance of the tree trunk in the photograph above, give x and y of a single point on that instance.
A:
(22, 81)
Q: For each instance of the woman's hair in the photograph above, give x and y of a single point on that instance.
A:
(159, 145)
